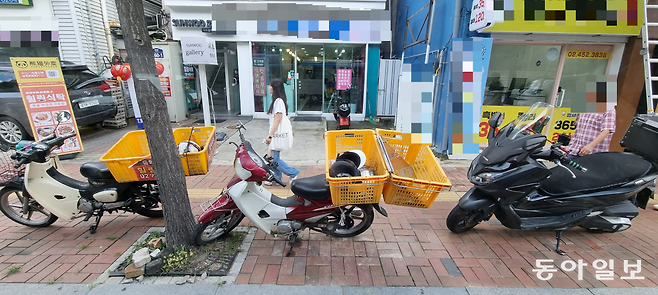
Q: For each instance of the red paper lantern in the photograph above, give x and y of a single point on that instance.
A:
(125, 73)
(121, 71)
(160, 67)
(115, 70)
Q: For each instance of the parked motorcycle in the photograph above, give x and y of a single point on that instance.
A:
(311, 206)
(599, 192)
(46, 193)
(342, 113)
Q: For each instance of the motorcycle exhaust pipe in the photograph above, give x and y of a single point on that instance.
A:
(111, 206)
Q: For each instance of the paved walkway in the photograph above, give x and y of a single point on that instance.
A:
(410, 248)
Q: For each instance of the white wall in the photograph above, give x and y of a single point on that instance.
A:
(364, 4)
(28, 18)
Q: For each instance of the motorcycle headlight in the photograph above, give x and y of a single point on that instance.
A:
(484, 178)
(254, 157)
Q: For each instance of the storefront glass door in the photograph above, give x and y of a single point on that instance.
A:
(585, 68)
(310, 85)
(273, 61)
(316, 76)
(344, 76)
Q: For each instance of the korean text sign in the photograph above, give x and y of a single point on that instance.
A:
(45, 96)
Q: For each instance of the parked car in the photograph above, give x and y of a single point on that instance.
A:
(90, 96)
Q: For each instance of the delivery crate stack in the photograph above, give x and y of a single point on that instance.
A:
(119, 120)
(405, 173)
(130, 158)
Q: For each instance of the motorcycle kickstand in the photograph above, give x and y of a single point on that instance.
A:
(293, 238)
(93, 228)
(558, 236)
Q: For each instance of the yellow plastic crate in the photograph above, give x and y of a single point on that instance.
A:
(129, 159)
(429, 181)
(358, 189)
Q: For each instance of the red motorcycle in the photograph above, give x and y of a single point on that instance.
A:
(311, 206)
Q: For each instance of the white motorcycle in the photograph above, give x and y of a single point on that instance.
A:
(46, 193)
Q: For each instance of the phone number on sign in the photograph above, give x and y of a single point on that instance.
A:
(588, 54)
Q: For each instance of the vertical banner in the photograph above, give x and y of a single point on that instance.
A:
(44, 93)
(469, 65)
(343, 79)
(260, 88)
(165, 84)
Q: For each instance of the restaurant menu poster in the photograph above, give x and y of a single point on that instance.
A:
(44, 93)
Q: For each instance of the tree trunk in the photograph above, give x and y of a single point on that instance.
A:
(179, 221)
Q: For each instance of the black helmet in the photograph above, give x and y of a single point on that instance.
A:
(343, 168)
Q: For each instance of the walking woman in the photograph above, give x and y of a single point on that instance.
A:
(278, 108)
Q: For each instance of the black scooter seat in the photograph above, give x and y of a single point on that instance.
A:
(95, 170)
(312, 188)
(604, 170)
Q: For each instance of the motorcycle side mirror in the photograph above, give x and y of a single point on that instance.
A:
(564, 139)
(495, 121)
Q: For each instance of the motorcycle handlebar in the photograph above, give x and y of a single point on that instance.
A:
(20, 162)
(571, 163)
(278, 180)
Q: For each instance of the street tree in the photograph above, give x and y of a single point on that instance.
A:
(179, 221)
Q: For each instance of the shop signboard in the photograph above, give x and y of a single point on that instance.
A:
(615, 17)
(481, 15)
(343, 79)
(17, 2)
(563, 120)
(44, 93)
(198, 50)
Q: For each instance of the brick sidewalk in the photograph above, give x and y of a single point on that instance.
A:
(410, 248)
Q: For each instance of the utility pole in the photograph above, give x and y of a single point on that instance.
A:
(179, 221)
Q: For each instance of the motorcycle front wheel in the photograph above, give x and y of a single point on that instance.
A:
(205, 233)
(12, 203)
(357, 217)
(460, 220)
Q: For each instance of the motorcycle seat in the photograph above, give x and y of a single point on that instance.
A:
(312, 188)
(604, 170)
(95, 170)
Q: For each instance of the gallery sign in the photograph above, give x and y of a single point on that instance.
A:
(198, 50)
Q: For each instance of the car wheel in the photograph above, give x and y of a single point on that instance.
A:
(11, 132)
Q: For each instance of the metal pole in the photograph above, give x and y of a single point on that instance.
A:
(204, 95)
(429, 30)
(455, 27)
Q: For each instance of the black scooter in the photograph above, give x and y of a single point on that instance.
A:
(599, 192)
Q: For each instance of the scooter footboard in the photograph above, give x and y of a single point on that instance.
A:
(217, 206)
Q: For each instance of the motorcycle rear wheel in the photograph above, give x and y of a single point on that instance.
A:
(11, 204)
(148, 203)
(364, 221)
(205, 233)
(460, 220)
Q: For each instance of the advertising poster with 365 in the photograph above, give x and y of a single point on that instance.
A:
(563, 120)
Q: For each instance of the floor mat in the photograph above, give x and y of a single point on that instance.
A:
(217, 121)
(308, 119)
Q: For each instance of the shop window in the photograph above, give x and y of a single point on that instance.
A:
(520, 75)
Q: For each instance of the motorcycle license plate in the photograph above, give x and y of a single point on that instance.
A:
(90, 103)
